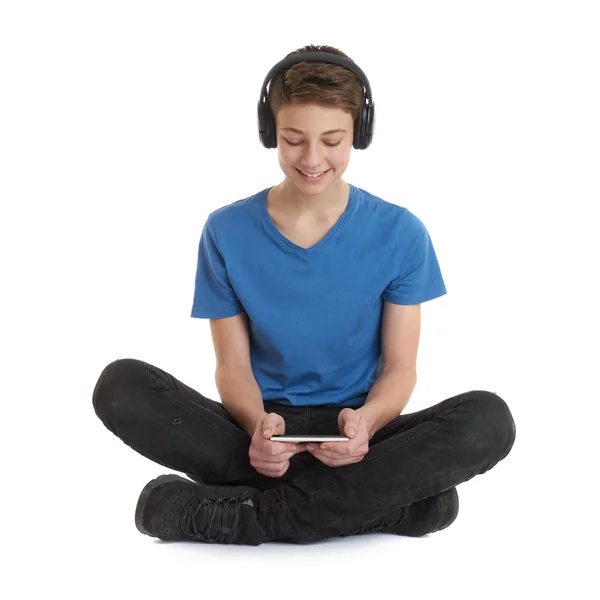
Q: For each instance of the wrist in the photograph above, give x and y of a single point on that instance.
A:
(255, 423)
(367, 418)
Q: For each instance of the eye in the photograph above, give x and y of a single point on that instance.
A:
(298, 143)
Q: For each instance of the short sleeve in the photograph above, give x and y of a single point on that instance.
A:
(214, 297)
(419, 275)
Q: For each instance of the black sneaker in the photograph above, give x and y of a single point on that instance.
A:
(428, 515)
(171, 507)
(425, 516)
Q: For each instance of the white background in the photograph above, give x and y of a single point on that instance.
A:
(124, 124)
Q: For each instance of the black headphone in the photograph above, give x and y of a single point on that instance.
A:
(364, 123)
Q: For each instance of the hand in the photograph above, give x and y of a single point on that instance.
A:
(271, 458)
(338, 454)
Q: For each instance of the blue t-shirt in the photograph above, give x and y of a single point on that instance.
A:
(314, 315)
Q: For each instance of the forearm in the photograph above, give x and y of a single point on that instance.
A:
(387, 398)
(241, 396)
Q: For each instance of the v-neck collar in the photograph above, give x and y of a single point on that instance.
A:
(284, 241)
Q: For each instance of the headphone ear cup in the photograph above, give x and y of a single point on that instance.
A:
(357, 141)
(360, 141)
(369, 124)
(261, 122)
(363, 127)
(272, 139)
(266, 125)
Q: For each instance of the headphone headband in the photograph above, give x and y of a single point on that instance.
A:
(327, 57)
(364, 123)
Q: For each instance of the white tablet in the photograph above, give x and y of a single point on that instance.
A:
(309, 438)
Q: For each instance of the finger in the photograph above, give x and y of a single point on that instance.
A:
(268, 473)
(279, 448)
(334, 462)
(337, 454)
(332, 448)
(337, 461)
(270, 466)
(346, 448)
(270, 469)
(337, 448)
(342, 462)
(269, 457)
(275, 451)
(274, 462)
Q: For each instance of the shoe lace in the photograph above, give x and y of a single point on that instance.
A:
(228, 511)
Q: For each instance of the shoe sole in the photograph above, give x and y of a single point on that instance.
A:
(148, 489)
(446, 510)
(448, 505)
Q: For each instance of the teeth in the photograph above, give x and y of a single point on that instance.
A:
(312, 175)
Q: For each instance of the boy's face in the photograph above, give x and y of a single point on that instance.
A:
(316, 150)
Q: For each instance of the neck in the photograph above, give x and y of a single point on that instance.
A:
(289, 198)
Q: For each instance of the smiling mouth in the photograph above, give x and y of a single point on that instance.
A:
(317, 173)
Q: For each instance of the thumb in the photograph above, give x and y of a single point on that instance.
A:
(273, 424)
(350, 430)
(349, 420)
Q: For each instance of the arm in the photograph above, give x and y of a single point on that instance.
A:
(241, 396)
(387, 398)
(401, 326)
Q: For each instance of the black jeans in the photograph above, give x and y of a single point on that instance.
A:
(414, 456)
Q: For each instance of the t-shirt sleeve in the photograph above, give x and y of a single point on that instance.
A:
(214, 297)
(419, 275)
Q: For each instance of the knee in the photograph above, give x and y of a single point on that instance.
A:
(494, 421)
(110, 391)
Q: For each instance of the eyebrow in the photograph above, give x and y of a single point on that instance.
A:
(324, 133)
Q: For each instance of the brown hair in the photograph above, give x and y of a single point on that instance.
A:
(326, 84)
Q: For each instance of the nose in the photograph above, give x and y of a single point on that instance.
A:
(312, 158)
